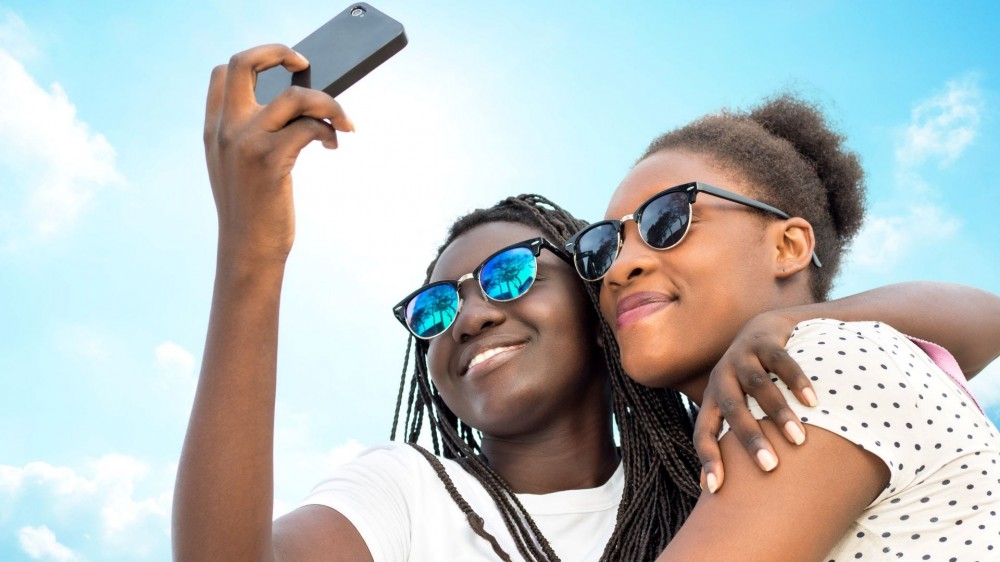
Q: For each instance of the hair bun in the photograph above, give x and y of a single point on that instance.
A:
(803, 125)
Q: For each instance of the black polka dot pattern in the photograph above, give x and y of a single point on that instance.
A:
(880, 391)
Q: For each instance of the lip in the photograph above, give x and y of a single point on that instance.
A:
(507, 349)
(638, 306)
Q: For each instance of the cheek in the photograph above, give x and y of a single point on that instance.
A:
(607, 310)
(438, 355)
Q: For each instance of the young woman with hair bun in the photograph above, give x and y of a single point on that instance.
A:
(744, 217)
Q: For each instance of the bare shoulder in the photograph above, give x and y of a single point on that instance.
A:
(317, 533)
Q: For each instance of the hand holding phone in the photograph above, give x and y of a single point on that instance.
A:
(341, 52)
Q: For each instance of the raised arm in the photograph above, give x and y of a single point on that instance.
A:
(223, 499)
(964, 320)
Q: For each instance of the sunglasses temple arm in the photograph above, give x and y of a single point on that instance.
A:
(737, 198)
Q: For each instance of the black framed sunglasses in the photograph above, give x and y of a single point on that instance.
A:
(663, 221)
(504, 276)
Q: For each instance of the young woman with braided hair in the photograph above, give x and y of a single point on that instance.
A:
(654, 425)
(516, 393)
(739, 216)
(539, 435)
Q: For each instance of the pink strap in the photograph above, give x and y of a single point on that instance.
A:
(947, 363)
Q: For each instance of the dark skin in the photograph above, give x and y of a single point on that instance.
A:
(729, 270)
(225, 513)
(540, 429)
(221, 512)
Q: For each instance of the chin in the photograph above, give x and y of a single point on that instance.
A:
(647, 353)
(646, 365)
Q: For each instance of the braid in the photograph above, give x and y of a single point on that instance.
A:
(661, 487)
(475, 521)
(655, 427)
(399, 395)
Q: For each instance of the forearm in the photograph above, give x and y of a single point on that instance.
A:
(224, 494)
(965, 320)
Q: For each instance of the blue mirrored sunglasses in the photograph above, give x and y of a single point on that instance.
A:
(504, 276)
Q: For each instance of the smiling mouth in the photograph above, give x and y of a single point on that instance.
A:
(490, 356)
(636, 307)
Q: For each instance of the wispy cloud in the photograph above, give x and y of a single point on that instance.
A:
(52, 164)
(884, 241)
(15, 37)
(89, 344)
(940, 129)
(943, 126)
(174, 360)
(40, 543)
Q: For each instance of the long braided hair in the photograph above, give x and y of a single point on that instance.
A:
(654, 425)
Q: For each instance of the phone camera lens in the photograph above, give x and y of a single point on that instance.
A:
(358, 11)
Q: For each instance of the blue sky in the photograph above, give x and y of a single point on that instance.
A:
(107, 226)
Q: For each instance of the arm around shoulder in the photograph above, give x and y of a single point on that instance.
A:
(798, 511)
(962, 319)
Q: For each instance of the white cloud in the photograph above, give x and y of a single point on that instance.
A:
(986, 386)
(15, 36)
(100, 500)
(116, 475)
(174, 359)
(52, 164)
(886, 241)
(40, 543)
(88, 343)
(943, 126)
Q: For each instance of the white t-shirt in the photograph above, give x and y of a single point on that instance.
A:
(401, 509)
(879, 390)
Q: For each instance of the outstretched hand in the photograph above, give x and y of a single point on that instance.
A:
(251, 149)
(745, 369)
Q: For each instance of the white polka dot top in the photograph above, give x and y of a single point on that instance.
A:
(879, 390)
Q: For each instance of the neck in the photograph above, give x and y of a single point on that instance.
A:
(573, 453)
(694, 388)
(786, 295)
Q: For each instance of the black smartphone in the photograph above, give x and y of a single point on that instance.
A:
(340, 53)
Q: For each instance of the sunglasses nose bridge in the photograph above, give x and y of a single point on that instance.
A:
(463, 279)
(622, 226)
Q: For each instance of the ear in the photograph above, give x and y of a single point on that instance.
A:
(794, 245)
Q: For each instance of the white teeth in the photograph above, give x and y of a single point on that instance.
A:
(484, 355)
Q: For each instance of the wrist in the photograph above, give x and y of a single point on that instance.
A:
(238, 254)
(238, 267)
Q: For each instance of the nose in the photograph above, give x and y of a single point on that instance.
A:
(476, 315)
(634, 260)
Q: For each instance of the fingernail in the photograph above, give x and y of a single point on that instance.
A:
(766, 460)
(810, 397)
(795, 432)
(713, 483)
(701, 480)
(301, 57)
(350, 124)
(330, 144)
